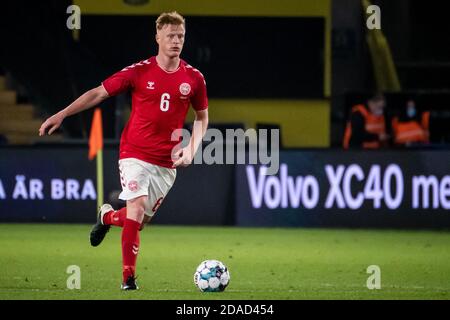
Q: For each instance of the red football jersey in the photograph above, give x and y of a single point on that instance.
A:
(160, 102)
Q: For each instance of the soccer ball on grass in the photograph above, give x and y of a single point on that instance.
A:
(211, 276)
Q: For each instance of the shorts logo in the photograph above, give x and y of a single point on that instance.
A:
(185, 88)
(133, 185)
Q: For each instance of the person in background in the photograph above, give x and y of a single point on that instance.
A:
(366, 128)
(411, 127)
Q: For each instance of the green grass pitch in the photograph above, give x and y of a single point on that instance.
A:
(264, 263)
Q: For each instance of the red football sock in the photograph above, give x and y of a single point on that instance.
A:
(130, 247)
(115, 218)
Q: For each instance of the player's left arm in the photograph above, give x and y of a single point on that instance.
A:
(199, 102)
(186, 155)
(199, 129)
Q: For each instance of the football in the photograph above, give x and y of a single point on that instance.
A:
(211, 276)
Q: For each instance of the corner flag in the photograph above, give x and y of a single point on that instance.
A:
(96, 150)
(96, 136)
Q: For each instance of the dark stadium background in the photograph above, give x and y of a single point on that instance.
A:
(303, 72)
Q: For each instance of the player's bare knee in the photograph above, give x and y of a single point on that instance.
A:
(136, 208)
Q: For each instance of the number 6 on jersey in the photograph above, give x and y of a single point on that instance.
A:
(164, 105)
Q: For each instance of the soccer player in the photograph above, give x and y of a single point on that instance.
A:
(162, 88)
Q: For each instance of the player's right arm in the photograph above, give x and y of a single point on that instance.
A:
(117, 83)
(87, 100)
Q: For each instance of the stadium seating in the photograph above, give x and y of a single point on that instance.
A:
(18, 123)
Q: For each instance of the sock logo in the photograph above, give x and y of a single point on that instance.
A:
(135, 249)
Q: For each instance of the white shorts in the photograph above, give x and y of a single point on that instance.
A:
(140, 178)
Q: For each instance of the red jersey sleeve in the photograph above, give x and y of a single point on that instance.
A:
(199, 99)
(121, 81)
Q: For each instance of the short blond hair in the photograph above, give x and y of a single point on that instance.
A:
(169, 18)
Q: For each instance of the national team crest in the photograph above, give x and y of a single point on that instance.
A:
(133, 185)
(185, 88)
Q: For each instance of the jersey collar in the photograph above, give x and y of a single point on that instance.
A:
(180, 66)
